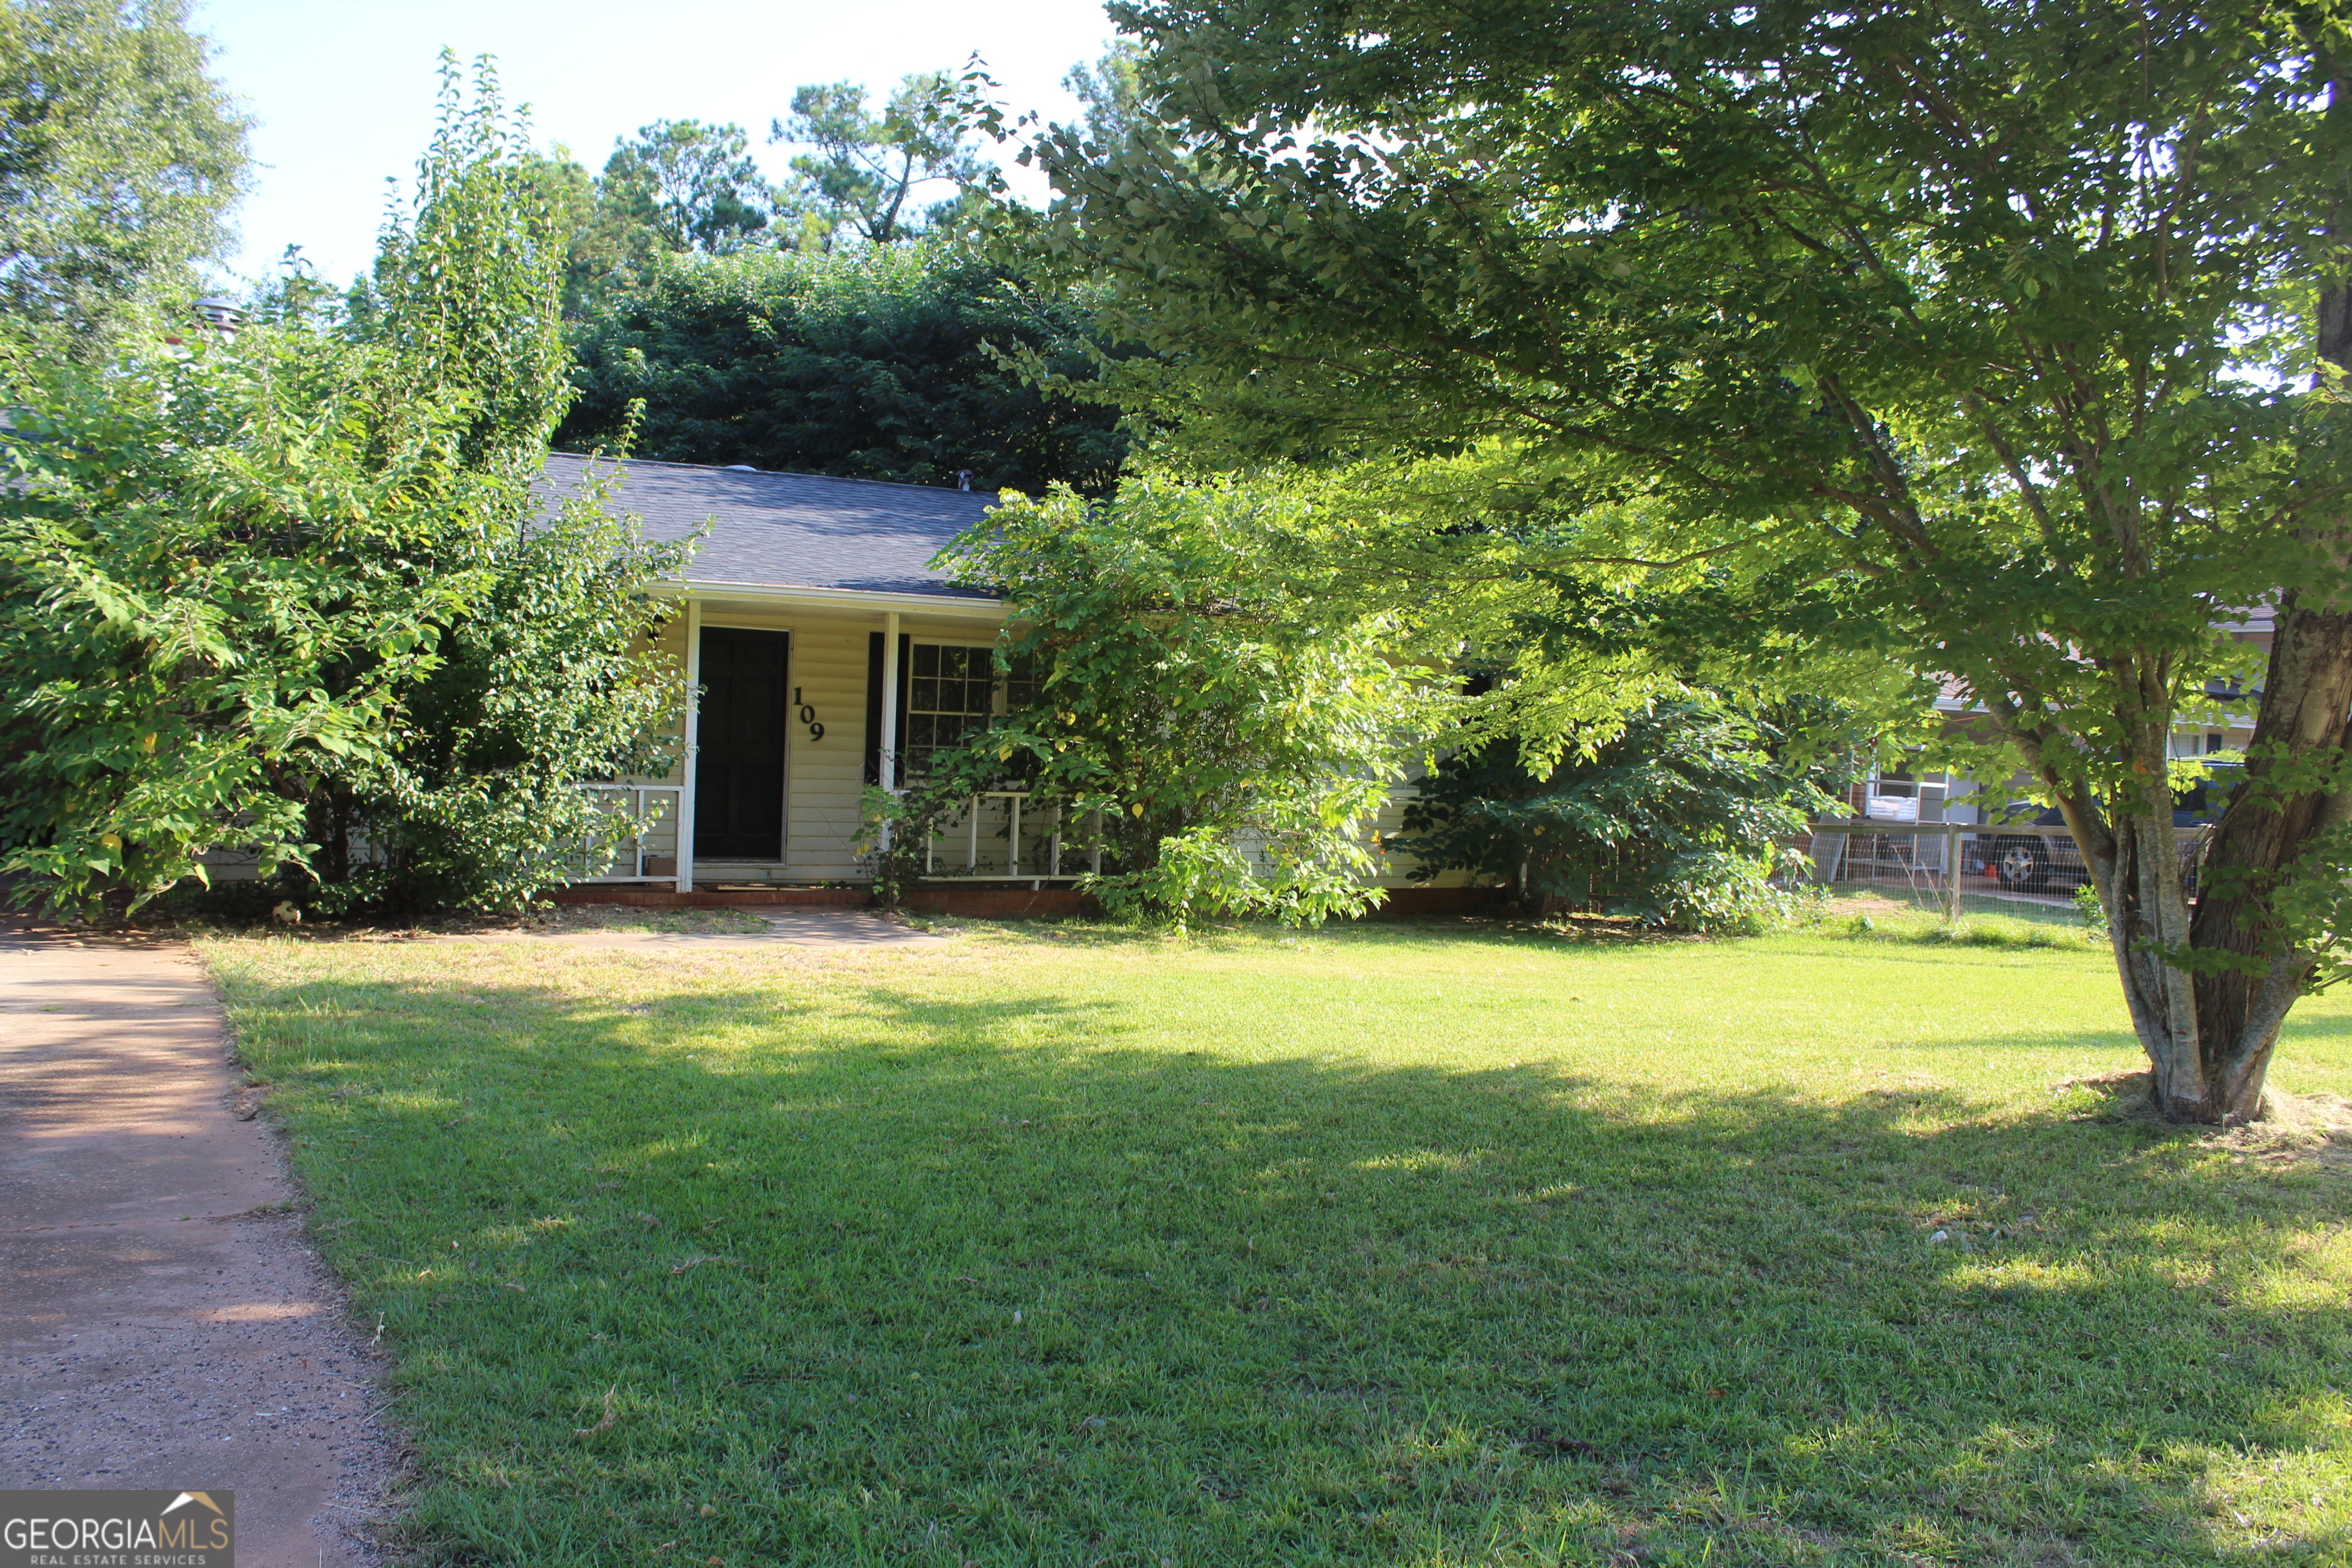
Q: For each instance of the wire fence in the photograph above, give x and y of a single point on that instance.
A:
(2027, 870)
(2033, 911)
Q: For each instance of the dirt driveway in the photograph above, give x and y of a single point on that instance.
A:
(163, 1324)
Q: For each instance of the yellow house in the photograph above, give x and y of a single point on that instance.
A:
(808, 599)
(822, 654)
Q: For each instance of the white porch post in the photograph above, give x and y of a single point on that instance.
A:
(888, 771)
(693, 739)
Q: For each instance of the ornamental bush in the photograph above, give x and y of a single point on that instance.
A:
(1681, 819)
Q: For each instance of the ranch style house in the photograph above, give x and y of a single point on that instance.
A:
(822, 653)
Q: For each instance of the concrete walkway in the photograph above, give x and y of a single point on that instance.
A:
(161, 1323)
(787, 927)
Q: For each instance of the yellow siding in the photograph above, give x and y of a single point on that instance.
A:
(824, 779)
(827, 777)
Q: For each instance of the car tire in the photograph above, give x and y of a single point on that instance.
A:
(2022, 865)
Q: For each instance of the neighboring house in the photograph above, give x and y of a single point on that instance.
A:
(1946, 797)
(2009, 861)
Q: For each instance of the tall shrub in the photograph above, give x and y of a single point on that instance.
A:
(237, 575)
(1682, 818)
(543, 682)
(1238, 734)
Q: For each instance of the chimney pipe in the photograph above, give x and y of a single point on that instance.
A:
(222, 315)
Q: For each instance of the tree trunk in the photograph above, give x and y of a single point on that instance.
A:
(2209, 1032)
(2134, 857)
(2266, 836)
(2307, 699)
(2209, 1036)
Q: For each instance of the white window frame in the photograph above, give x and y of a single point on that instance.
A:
(912, 765)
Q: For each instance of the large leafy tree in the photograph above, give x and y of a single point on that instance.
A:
(119, 158)
(2007, 336)
(885, 363)
(292, 591)
(694, 186)
(868, 176)
(606, 236)
(680, 185)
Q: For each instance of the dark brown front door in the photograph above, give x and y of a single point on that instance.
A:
(738, 792)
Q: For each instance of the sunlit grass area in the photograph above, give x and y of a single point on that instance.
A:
(1384, 1244)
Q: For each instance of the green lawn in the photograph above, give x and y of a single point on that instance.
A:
(1386, 1245)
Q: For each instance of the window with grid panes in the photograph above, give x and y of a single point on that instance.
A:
(951, 693)
(1022, 686)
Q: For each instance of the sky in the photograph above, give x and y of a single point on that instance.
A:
(341, 91)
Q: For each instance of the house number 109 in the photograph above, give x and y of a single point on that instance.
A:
(808, 716)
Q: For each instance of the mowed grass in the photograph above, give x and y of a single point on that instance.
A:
(1385, 1245)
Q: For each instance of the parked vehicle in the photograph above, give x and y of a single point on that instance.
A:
(2036, 863)
(2031, 863)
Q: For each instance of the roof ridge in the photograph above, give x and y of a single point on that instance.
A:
(771, 473)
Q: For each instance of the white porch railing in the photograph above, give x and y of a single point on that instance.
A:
(1009, 849)
(650, 853)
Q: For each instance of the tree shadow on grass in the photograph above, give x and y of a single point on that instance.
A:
(2305, 1024)
(945, 1281)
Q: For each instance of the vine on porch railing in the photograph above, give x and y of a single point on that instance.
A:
(897, 829)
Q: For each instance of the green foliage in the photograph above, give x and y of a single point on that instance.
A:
(1871, 420)
(540, 686)
(693, 186)
(220, 574)
(879, 363)
(865, 168)
(681, 185)
(1236, 735)
(284, 594)
(1111, 91)
(600, 237)
(544, 683)
(1677, 819)
(120, 157)
(896, 826)
(470, 290)
(686, 186)
(2005, 338)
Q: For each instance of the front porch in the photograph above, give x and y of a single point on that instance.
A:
(823, 654)
(786, 726)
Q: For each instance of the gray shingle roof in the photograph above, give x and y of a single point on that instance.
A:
(795, 531)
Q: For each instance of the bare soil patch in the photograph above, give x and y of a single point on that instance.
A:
(2303, 1129)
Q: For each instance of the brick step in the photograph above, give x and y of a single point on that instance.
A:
(980, 903)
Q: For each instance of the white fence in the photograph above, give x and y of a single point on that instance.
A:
(997, 838)
(649, 854)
